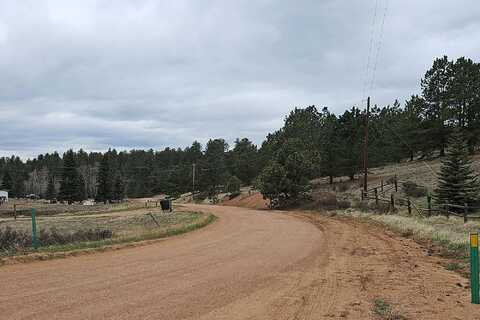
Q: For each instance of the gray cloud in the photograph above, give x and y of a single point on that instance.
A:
(141, 74)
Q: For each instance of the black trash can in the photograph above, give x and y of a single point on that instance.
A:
(166, 204)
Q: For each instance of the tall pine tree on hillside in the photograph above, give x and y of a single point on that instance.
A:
(435, 85)
(411, 126)
(104, 191)
(464, 94)
(72, 187)
(350, 135)
(457, 182)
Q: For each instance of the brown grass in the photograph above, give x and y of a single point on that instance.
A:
(126, 226)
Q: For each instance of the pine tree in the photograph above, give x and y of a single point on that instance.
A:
(435, 85)
(118, 189)
(243, 160)
(329, 145)
(411, 127)
(214, 174)
(104, 191)
(18, 188)
(7, 181)
(72, 187)
(51, 193)
(285, 180)
(457, 182)
(80, 192)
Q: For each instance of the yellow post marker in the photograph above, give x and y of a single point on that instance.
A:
(474, 268)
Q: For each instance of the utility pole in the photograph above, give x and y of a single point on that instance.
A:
(193, 182)
(365, 149)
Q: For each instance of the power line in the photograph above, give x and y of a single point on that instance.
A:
(372, 34)
(379, 46)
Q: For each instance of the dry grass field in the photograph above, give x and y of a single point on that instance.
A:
(120, 224)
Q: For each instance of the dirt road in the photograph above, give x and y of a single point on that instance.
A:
(247, 265)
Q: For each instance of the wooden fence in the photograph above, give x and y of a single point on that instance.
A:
(378, 194)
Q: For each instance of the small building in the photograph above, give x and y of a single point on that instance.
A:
(3, 196)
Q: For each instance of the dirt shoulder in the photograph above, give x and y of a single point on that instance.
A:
(374, 264)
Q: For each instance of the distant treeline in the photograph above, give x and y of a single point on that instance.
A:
(137, 173)
(313, 142)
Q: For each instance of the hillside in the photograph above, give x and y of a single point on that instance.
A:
(421, 172)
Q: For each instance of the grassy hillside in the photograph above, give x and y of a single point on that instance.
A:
(421, 172)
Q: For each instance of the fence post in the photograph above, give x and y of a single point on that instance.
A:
(15, 211)
(447, 207)
(34, 228)
(381, 186)
(363, 195)
(409, 204)
(376, 196)
(392, 201)
(474, 268)
(465, 213)
(396, 184)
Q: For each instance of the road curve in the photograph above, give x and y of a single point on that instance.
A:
(183, 277)
(247, 265)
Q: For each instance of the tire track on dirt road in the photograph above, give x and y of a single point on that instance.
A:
(249, 264)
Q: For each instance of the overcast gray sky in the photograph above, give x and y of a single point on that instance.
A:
(141, 74)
